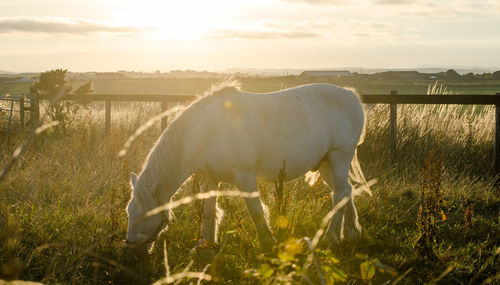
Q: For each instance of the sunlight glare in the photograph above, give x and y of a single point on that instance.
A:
(187, 19)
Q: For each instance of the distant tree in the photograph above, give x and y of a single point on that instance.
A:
(53, 86)
(452, 74)
(483, 76)
(441, 75)
(469, 76)
(495, 75)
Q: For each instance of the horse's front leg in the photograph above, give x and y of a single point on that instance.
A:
(212, 215)
(206, 249)
(258, 211)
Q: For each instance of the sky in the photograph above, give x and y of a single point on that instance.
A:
(150, 35)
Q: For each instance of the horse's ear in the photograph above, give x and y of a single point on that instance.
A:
(133, 178)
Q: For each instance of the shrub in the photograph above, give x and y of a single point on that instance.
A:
(52, 86)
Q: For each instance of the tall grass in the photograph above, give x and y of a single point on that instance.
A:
(62, 212)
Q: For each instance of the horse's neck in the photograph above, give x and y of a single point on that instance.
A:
(165, 166)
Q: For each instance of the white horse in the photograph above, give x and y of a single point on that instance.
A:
(237, 137)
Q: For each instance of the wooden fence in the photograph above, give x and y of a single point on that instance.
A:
(14, 112)
(393, 100)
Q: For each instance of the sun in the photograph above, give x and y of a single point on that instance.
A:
(181, 19)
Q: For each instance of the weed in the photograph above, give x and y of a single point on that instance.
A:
(468, 216)
(430, 206)
(281, 200)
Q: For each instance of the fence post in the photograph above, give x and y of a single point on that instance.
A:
(392, 129)
(21, 112)
(164, 120)
(34, 109)
(107, 125)
(497, 137)
(9, 123)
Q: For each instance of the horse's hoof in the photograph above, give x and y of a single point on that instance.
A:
(268, 249)
(204, 253)
(352, 234)
(204, 245)
(268, 245)
(330, 241)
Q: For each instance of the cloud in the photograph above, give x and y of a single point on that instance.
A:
(269, 29)
(248, 34)
(62, 27)
(407, 8)
(434, 9)
(328, 29)
(393, 2)
(315, 2)
(495, 5)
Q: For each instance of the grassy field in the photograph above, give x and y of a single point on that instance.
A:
(63, 214)
(14, 88)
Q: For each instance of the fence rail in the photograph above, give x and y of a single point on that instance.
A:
(132, 97)
(16, 117)
(393, 100)
(12, 121)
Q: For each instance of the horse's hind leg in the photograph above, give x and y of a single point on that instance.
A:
(352, 228)
(336, 172)
(212, 215)
(258, 212)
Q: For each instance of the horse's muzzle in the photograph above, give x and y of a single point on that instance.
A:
(137, 243)
(136, 249)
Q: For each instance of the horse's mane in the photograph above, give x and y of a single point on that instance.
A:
(226, 86)
(164, 158)
(222, 87)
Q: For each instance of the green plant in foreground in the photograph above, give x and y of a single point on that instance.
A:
(430, 206)
(11, 265)
(293, 265)
(290, 265)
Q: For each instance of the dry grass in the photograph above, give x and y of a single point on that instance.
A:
(62, 208)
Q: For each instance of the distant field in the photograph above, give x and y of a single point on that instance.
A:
(14, 88)
(196, 85)
(421, 88)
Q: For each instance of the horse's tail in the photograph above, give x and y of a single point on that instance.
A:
(362, 136)
(356, 174)
(312, 177)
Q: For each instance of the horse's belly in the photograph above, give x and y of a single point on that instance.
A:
(295, 154)
(293, 168)
(266, 166)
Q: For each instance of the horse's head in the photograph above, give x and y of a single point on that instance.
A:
(143, 228)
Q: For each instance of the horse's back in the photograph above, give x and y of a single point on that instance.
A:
(257, 132)
(315, 108)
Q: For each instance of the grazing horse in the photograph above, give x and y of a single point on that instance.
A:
(232, 136)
